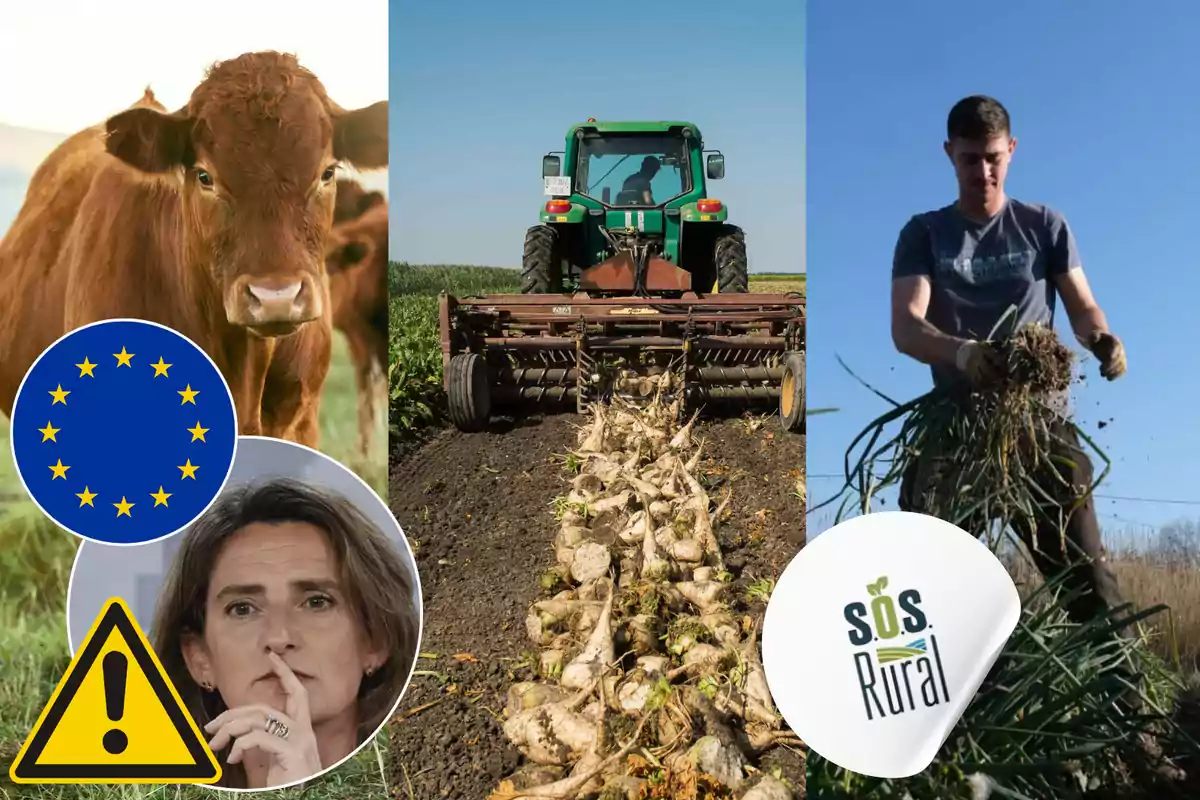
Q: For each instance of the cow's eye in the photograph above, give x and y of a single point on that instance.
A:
(328, 174)
(205, 179)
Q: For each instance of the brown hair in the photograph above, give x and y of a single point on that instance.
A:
(976, 118)
(378, 587)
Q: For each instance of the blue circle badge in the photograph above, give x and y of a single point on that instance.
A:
(124, 431)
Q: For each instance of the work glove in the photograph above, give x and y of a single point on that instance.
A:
(978, 362)
(1110, 352)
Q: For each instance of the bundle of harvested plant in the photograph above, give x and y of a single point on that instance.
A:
(637, 638)
(978, 457)
(1049, 724)
(1032, 361)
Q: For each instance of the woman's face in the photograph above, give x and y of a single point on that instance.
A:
(278, 587)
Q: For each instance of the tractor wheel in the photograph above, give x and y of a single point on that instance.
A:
(540, 265)
(730, 260)
(469, 392)
(791, 395)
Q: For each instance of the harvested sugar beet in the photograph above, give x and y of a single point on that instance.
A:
(640, 632)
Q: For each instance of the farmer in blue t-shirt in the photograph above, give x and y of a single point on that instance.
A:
(957, 271)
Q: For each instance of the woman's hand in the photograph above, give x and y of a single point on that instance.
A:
(293, 757)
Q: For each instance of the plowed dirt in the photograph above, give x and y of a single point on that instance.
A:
(477, 509)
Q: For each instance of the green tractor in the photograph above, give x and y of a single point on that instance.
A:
(633, 272)
(631, 215)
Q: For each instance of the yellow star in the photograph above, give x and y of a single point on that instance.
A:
(123, 358)
(198, 432)
(86, 368)
(123, 508)
(160, 498)
(59, 396)
(189, 396)
(59, 470)
(189, 471)
(48, 433)
(160, 368)
(86, 498)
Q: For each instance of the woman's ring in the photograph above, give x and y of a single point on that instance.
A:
(275, 727)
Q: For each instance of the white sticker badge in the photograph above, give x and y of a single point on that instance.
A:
(556, 186)
(878, 634)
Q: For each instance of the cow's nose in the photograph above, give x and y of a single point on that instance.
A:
(260, 302)
(266, 297)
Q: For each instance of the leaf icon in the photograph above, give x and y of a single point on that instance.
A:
(874, 589)
(883, 582)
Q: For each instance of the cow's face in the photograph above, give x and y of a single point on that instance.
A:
(347, 251)
(257, 147)
(360, 241)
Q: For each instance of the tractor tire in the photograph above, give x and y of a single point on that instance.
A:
(791, 395)
(469, 394)
(729, 257)
(540, 264)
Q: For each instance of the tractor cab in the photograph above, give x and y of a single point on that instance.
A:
(630, 214)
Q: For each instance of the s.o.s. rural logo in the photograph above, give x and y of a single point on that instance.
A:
(899, 665)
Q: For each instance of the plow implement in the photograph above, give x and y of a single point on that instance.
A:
(507, 353)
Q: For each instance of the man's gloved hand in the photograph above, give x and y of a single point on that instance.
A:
(980, 363)
(1108, 349)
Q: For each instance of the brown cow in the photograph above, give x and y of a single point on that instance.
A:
(213, 220)
(357, 261)
(149, 101)
(353, 200)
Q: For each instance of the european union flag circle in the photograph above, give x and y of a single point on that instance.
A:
(124, 431)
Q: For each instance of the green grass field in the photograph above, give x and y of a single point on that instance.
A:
(35, 566)
(414, 352)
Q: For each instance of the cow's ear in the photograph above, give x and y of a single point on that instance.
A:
(360, 137)
(149, 140)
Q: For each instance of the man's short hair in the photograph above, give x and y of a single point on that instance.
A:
(976, 118)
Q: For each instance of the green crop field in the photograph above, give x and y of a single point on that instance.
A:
(415, 396)
(415, 360)
(35, 566)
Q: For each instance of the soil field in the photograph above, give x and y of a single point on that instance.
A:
(478, 511)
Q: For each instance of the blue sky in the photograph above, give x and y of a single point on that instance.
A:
(1102, 98)
(480, 91)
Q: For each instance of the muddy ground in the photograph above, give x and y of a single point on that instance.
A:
(477, 508)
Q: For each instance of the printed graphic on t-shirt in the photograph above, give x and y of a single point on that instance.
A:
(980, 270)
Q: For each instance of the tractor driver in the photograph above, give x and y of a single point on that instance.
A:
(639, 182)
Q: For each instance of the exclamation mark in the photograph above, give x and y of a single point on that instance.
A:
(115, 668)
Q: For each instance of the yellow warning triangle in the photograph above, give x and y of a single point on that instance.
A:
(115, 717)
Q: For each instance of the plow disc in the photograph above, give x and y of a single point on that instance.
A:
(506, 353)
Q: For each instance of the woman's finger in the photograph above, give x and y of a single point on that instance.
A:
(232, 713)
(297, 702)
(238, 726)
(255, 710)
(257, 739)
